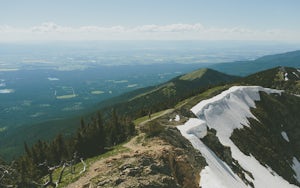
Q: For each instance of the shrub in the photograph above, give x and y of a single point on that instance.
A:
(153, 128)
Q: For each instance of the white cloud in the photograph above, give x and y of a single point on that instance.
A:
(49, 27)
(170, 28)
(5, 28)
(180, 31)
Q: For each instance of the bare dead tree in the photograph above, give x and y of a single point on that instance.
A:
(84, 166)
(50, 170)
(63, 165)
(73, 162)
(61, 173)
(7, 174)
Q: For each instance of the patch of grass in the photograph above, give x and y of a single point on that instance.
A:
(66, 96)
(132, 85)
(194, 75)
(169, 91)
(153, 128)
(68, 177)
(140, 138)
(2, 129)
(97, 92)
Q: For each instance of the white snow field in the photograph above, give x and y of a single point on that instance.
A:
(177, 118)
(296, 168)
(224, 113)
(285, 136)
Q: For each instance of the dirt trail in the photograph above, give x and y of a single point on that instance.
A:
(155, 117)
(136, 148)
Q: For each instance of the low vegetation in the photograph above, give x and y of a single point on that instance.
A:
(153, 128)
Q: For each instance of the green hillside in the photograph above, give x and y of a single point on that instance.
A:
(153, 99)
(133, 104)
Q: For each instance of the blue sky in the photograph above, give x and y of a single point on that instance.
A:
(18, 18)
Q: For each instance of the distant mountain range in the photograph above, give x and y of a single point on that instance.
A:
(244, 68)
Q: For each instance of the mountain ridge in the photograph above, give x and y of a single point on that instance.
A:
(227, 114)
(239, 162)
(245, 68)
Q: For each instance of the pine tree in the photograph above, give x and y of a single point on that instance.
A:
(27, 150)
(101, 135)
(114, 128)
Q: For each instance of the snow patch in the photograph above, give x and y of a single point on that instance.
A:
(217, 174)
(284, 135)
(195, 127)
(296, 74)
(224, 113)
(230, 109)
(248, 177)
(210, 179)
(296, 168)
(286, 77)
(177, 118)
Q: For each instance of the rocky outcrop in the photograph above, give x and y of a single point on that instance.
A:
(167, 160)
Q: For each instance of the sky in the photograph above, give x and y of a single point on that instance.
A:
(39, 20)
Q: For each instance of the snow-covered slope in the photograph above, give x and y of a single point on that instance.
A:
(224, 113)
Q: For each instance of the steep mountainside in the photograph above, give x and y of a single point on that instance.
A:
(246, 136)
(241, 140)
(243, 68)
(250, 134)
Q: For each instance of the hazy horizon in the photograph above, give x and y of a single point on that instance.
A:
(65, 20)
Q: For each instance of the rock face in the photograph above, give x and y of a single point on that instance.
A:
(167, 160)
